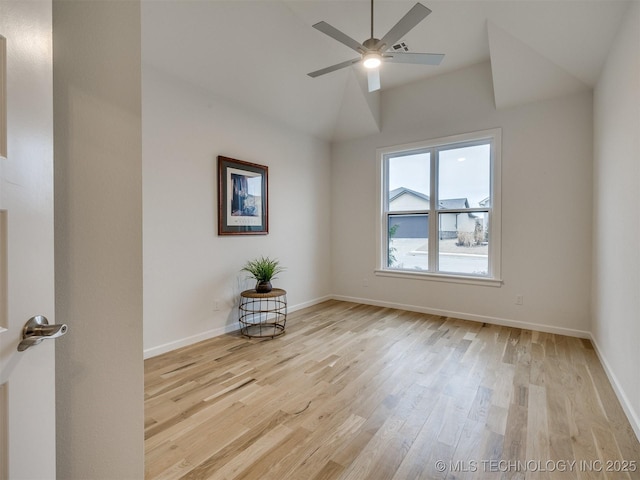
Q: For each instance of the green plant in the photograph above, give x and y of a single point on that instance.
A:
(263, 269)
(391, 259)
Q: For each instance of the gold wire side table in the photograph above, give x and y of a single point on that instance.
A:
(263, 314)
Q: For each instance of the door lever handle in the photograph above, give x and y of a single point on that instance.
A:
(38, 329)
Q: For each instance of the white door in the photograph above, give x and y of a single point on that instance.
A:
(27, 379)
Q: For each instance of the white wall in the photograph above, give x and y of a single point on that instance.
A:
(546, 204)
(616, 225)
(187, 266)
(98, 236)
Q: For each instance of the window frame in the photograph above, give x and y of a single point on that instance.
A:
(493, 278)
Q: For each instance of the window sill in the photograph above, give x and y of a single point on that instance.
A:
(440, 277)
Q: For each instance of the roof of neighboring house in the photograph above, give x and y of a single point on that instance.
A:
(452, 203)
(446, 204)
(396, 192)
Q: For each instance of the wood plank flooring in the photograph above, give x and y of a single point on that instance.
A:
(360, 392)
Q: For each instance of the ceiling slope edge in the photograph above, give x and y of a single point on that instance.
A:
(372, 98)
(522, 75)
(359, 114)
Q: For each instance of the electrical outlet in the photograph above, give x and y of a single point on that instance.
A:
(519, 299)
(365, 282)
(216, 305)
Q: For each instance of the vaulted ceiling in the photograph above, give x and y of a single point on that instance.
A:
(257, 54)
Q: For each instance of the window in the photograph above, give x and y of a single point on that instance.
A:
(440, 214)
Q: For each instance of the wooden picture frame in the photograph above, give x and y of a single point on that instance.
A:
(243, 206)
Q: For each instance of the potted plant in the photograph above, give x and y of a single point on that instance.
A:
(263, 269)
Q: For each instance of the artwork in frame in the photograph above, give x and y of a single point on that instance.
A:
(243, 207)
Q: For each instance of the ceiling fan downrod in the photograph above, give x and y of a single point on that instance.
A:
(371, 43)
(371, 18)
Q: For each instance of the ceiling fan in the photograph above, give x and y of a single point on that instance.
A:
(373, 52)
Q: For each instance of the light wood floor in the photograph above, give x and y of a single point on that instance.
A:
(360, 392)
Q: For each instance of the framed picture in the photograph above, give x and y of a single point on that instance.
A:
(242, 198)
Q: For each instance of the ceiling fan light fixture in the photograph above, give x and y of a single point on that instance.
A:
(372, 60)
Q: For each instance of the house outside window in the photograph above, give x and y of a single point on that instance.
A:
(440, 209)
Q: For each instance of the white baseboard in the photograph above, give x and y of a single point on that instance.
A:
(632, 415)
(185, 342)
(310, 303)
(470, 316)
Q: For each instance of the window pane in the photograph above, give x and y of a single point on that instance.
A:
(464, 243)
(408, 242)
(409, 182)
(464, 177)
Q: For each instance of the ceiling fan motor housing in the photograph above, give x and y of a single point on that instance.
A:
(370, 44)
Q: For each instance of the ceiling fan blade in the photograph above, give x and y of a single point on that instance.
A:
(336, 34)
(373, 77)
(333, 68)
(416, 58)
(412, 18)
